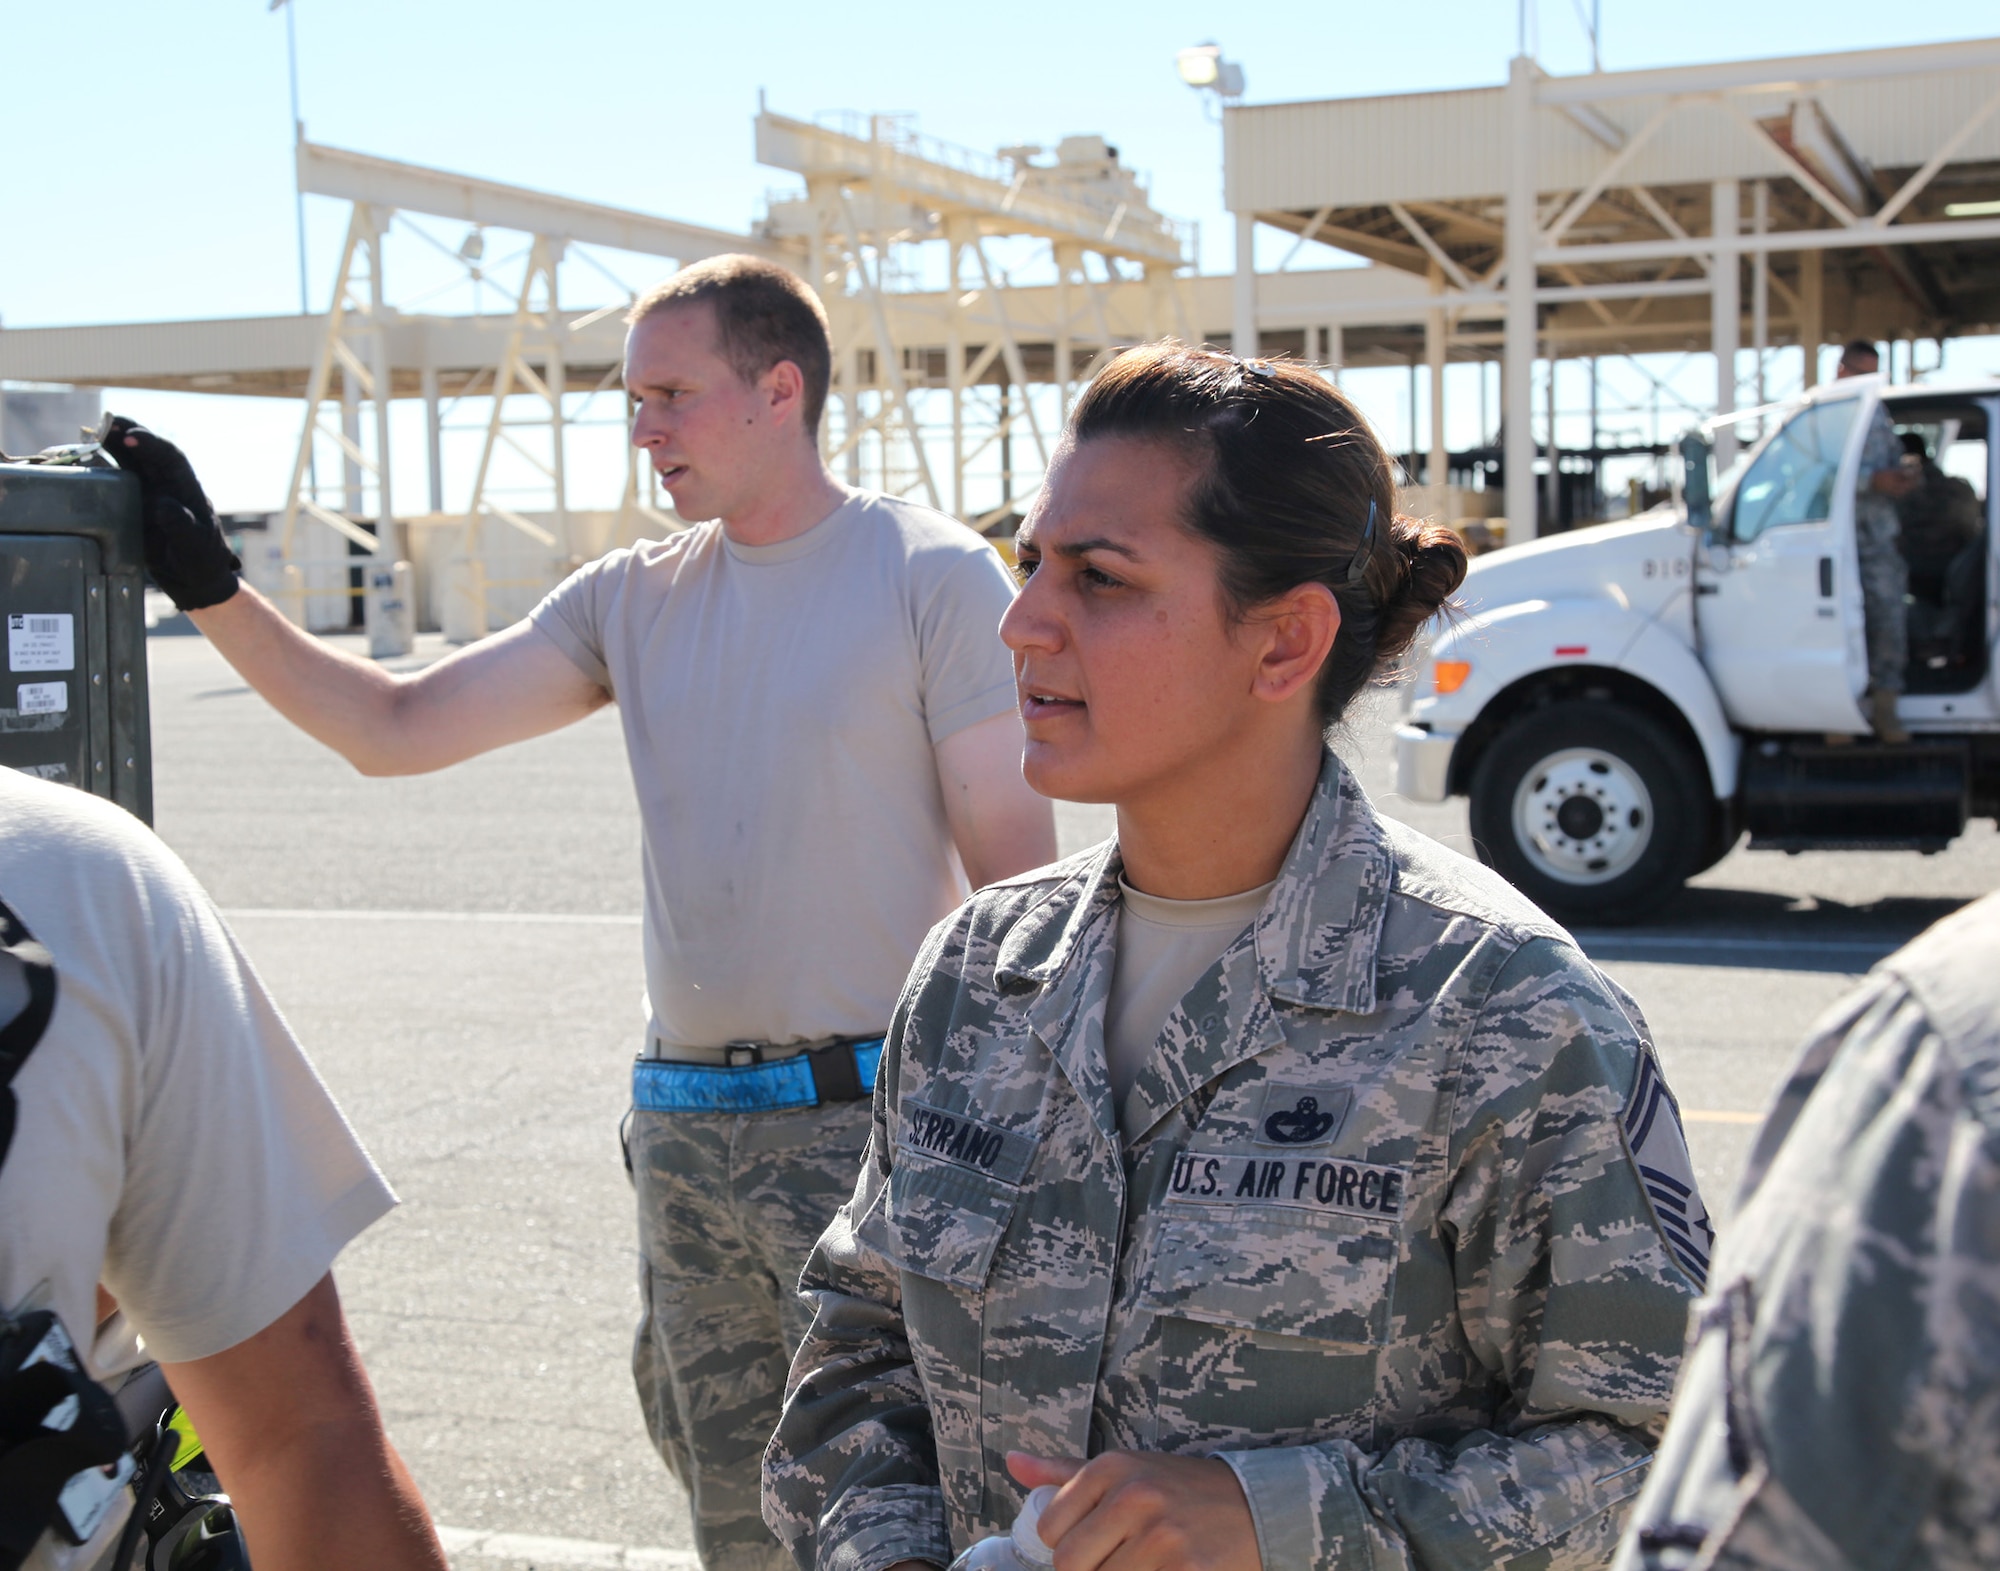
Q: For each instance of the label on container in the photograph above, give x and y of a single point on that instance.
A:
(41, 643)
(42, 698)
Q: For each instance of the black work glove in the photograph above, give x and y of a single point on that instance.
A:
(186, 551)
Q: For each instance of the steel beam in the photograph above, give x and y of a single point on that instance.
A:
(411, 188)
(1785, 72)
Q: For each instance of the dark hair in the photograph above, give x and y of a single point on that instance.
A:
(764, 313)
(1289, 480)
(1859, 349)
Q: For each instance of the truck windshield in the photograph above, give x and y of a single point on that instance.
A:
(1791, 481)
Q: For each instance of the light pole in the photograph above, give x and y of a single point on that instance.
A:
(1202, 67)
(298, 136)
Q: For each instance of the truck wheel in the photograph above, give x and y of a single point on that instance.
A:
(1591, 809)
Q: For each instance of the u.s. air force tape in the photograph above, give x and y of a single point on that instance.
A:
(1310, 1183)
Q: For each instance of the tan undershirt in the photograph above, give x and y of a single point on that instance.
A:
(1163, 947)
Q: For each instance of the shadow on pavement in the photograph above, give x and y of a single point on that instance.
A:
(1764, 930)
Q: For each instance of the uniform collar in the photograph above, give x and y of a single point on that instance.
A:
(1317, 937)
(1321, 927)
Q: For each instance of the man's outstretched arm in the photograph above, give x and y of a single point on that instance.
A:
(499, 690)
(289, 1420)
(506, 688)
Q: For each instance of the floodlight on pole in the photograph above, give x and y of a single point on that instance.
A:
(1202, 66)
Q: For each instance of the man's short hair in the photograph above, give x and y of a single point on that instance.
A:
(1858, 349)
(764, 313)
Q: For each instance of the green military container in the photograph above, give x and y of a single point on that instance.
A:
(73, 702)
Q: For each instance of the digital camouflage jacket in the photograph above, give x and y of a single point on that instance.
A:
(1372, 1227)
(1840, 1406)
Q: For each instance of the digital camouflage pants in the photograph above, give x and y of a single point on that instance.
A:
(730, 1204)
(1885, 586)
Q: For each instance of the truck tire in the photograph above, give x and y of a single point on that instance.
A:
(1591, 809)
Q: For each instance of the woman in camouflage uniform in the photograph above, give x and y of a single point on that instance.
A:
(1368, 1241)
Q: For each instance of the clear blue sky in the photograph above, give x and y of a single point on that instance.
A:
(149, 172)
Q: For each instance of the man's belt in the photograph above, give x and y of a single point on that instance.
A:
(752, 1083)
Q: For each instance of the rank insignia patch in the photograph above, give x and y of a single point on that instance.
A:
(1301, 1115)
(1659, 1148)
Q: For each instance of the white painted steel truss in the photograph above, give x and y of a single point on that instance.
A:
(1628, 192)
(969, 297)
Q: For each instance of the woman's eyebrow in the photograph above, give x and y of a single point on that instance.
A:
(1095, 543)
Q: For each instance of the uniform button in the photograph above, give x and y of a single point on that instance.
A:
(1210, 1022)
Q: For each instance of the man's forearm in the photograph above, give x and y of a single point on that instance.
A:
(505, 688)
(334, 1497)
(290, 1422)
(347, 703)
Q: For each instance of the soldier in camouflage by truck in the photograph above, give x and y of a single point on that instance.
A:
(1625, 702)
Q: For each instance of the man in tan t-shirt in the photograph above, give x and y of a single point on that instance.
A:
(823, 732)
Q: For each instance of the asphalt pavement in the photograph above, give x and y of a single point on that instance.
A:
(460, 954)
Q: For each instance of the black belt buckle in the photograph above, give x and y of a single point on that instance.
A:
(836, 1076)
(741, 1055)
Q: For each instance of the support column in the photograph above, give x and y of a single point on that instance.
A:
(557, 378)
(433, 431)
(350, 427)
(1518, 366)
(1066, 257)
(954, 360)
(1336, 349)
(850, 403)
(1725, 312)
(1596, 443)
(1760, 286)
(378, 370)
(387, 607)
(1438, 475)
(1812, 311)
(1243, 296)
(1412, 476)
(816, 269)
(1552, 482)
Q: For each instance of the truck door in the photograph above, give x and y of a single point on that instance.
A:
(1773, 591)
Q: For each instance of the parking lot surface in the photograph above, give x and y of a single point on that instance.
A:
(460, 953)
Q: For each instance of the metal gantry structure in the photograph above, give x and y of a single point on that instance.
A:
(1604, 214)
(965, 290)
(530, 357)
(968, 295)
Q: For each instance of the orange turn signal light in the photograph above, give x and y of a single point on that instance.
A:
(1448, 676)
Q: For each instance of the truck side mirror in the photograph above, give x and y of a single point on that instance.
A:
(1695, 455)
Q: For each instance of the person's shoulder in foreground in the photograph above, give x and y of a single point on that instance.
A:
(174, 1144)
(216, 1178)
(1840, 1401)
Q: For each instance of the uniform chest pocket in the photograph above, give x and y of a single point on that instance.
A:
(943, 1221)
(940, 1224)
(1325, 1277)
(1269, 1328)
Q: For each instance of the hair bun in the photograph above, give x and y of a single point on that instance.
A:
(1434, 565)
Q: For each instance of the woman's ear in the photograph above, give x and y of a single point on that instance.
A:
(1296, 633)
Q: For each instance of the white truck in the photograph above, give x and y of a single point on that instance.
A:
(1621, 704)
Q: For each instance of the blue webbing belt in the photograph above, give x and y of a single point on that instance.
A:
(663, 1086)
